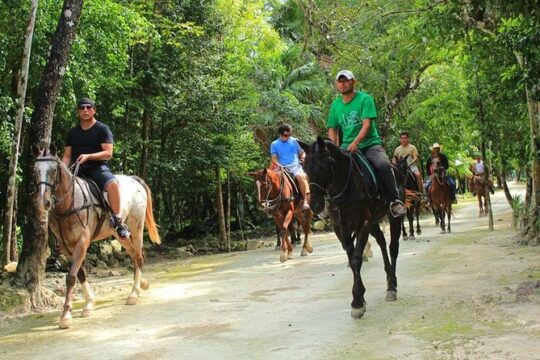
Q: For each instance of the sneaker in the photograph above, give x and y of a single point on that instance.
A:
(397, 209)
(121, 229)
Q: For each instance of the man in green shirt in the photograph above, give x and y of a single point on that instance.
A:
(354, 114)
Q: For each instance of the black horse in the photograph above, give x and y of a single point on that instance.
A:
(355, 211)
(413, 198)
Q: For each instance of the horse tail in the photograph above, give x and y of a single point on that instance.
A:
(149, 218)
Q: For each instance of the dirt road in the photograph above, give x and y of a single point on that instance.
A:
(458, 298)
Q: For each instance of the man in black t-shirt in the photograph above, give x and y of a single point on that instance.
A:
(91, 144)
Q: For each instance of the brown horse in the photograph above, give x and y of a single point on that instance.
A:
(478, 188)
(277, 197)
(440, 195)
(77, 218)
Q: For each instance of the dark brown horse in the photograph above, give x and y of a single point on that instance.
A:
(355, 211)
(413, 198)
(77, 218)
(441, 199)
(277, 197)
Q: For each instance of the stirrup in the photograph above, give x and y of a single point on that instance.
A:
(397, 202)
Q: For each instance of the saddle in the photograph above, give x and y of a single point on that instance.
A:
(98, 197)
(365, 169)
(296, 188)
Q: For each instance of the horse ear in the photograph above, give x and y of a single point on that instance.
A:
(321, 142)
(52, 149)
(36, 150)
(304, 146)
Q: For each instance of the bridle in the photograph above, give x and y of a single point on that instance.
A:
(272, 204)
(52, 186)
(324, 191)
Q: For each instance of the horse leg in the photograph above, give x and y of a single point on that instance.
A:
(89, 301)
(305, 222)
(77, 258)
(367, 252)
(449, 212)
(480, 207)
(283, 224)
(391, 294)
(278, 236)
(441, 218)
(410, 217)
(417, 215)
(403, 230)
(358, 305)
(379, 237)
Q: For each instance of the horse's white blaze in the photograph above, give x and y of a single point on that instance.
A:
(258, 190)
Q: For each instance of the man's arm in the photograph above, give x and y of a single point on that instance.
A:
(274, 163)
(105, 154)
(66, 159)
(333, 135)
(366, 125)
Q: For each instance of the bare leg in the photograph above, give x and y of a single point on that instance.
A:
(113, 191)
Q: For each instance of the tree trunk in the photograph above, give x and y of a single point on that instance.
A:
(143, 169)
(13, 161)
(220, 209)
(228, 218)
(31, 269)
(501, 179)
(534, 121)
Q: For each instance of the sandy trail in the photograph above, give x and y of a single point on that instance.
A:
(457, 299)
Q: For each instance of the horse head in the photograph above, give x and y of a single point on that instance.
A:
(268, 185)
(402, 167)
(438, 170)
(319, 165)
(46, 170)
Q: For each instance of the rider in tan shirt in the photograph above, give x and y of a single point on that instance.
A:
(406, 149)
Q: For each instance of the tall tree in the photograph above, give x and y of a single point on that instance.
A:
(30, 271)
(13, 162)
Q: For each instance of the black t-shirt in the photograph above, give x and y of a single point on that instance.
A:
(89, 142)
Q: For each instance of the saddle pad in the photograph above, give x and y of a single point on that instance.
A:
(366, 169)
(96, 193)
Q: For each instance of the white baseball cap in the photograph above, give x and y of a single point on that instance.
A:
(347, 73)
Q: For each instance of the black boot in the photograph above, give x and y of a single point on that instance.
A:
(121, 229)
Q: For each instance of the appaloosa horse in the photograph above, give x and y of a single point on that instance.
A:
(77, 218)
(413, 198)
(441, 199)
(355, 210)
(277, 197)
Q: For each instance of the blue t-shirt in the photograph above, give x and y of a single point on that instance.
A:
(286, 151)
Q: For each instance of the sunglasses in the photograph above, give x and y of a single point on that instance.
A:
(85, 107)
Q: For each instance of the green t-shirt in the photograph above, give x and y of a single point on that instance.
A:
(348, 118)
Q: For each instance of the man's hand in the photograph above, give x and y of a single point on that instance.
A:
(352, 147)
(83, 158)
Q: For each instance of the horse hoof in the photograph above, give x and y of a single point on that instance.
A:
(419, 232)
(132, 301)
(65, 323)
(309, 249)
(405, 237)
(283, 258)
(358, 313)
(145, 285)
(391, 295)
(87, 313)
(304, 252)
(365, 258)
(412, 238)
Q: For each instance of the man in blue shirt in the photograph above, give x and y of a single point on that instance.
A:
(286, 152)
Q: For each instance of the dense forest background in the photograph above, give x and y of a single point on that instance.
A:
(194, 90)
